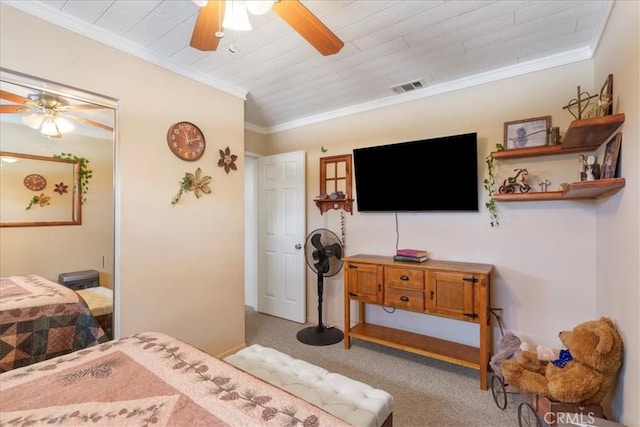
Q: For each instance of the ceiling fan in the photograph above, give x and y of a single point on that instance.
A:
(47, 112)
(209, 28)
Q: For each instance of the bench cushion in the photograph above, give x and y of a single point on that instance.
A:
(353, 401)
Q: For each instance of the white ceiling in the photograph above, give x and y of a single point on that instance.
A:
(446, 45)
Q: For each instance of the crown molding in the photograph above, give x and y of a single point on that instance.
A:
(515, 70)
(56, 17)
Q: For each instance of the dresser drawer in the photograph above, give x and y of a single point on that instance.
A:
(403, 277)
(404, 298)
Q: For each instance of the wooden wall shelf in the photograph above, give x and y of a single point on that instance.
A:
(582, 135)
(591, 132)
(545, 150)
(327, 204)
(577, 190)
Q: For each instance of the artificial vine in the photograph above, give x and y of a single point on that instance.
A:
(490, 187)
(85, 173)
(197, 183)
(185, 185)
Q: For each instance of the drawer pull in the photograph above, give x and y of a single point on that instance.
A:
(405, 299)
(470, 279)
(404, 277)
(431, 295)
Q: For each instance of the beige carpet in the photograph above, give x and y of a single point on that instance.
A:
(427, 392)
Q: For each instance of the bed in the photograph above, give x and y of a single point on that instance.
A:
(144, 379)
(41, 319)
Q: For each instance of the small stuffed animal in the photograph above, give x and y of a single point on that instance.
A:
(545, 354)
(508, 348)
(583, 374)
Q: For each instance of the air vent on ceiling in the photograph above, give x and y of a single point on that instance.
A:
(408, 87)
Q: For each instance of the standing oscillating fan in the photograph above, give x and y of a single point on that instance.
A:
(323, 251)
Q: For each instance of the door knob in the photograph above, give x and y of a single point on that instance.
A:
(298, 246)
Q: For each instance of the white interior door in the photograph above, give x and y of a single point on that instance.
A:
(281, 234)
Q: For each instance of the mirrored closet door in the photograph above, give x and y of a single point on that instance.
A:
(53, 139)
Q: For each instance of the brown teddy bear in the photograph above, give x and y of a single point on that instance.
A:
(583, 373)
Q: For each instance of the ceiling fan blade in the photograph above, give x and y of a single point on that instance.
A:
(12, 109)
(89, 122)
(308, 26)
(8, 96)
(207, 24)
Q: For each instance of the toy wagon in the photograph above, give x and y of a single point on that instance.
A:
(536, 410)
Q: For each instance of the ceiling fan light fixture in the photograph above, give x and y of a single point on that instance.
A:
(63, 125)
(33, 120)
(49, 128)
(259, 7)
(235, 16)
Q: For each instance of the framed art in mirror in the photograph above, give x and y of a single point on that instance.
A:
(38, 191)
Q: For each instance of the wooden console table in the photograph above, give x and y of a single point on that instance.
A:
(456, 290)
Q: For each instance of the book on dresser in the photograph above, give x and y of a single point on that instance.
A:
(416, 253)
(410, 258)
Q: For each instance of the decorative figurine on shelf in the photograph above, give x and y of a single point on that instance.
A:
(544, 184)
(593, 168)
(517, 182)
(579, 103)
(582, 161)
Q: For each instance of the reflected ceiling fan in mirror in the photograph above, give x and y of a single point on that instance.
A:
(47, 112)
(216, 15)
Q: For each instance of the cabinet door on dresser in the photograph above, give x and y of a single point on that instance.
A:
(364, 282)
(453, 295)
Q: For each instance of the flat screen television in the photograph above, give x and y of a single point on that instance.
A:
(437, 174)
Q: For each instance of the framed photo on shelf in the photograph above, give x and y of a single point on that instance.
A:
(526, 133)
(611, 153)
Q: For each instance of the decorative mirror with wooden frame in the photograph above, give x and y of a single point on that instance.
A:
(335, 184)
(38, 191)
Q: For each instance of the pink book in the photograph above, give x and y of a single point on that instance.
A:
(412, 252)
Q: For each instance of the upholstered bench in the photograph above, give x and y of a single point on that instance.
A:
(352, 401)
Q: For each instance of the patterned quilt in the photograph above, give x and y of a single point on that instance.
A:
(41, 319)
(148, 379)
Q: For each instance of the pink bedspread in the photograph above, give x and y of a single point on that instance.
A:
(148, 379)
(41, 319)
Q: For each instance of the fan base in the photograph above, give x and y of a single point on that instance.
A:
(315, 335)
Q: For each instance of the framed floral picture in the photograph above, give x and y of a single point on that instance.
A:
(526, 133)
(611, 153)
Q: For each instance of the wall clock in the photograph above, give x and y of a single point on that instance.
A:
(35, 182)
(186, 141)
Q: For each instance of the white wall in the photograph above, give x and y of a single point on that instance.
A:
(533, 272)
(181, 267)
(251, 231)
(546, 254)
(618, 218)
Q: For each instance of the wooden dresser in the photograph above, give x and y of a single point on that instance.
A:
(457, 290)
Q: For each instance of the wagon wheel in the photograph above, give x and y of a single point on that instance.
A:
(498, 391)
(527, 416)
